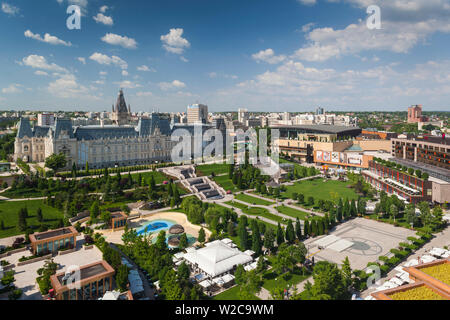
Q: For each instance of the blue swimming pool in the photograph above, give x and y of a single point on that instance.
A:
(154, 226)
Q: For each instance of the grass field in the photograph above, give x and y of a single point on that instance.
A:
(208, 169)
(226, 183)
(158, 176)
(253, 200)
(292, 212)
(272, 280)
(256, 211)
(231, 294)
(9, 215)
(317, 188)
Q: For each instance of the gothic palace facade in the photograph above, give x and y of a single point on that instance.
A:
(101, 146)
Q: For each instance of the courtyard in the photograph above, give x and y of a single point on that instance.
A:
(361, 240)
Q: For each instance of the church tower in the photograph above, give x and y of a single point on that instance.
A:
(121, 114)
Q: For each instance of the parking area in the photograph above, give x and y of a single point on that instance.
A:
(26, 275)
(361, 240)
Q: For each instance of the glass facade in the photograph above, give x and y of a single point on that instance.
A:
(54, 246)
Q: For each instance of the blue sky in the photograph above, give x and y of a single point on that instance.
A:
(265, 55)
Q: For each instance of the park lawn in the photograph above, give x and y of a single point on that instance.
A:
(253, 200)
(158, 176)
(231, 294)
(23, 193)
(318, 189)
(292, 212)
(271, 280)
(254, 211)
(10, 217)
(208, 169)
(226, 183)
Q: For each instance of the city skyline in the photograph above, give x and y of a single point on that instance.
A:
(264, 56)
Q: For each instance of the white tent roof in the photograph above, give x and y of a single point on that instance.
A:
(438, 252)
(249, 252)
(206, 283)
(227, 278)
(217, 258)
(227, 241)
(111, 295)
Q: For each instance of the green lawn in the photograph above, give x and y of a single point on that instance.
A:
(226, 183)
(9, 215)
(231, 294)
(317, 188)
(208, 169)
(272, 280)
(253, 200)
(256, 211)
(292, 212)
(158, 176)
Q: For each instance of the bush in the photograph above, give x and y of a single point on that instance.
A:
(15, 294)
(384, 269)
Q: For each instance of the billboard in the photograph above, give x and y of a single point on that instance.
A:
(327, 156)
(340, 158)
(335, 157)
(319, 156)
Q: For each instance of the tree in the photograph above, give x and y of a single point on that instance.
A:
(280, 235)
(301, 198)
(239, 275)
(243, 235)
(183, 241)
(298, 229)
(353, 211)
(22, 223)
(393, 211)
(39, 216)
(410, 214)
(314, 231)
(183, 271)
(320, 228)
(329, 283)
(347, 272)
(201, 236)
(94, 210)
(290, 232)
(122, 278)
(306, 228)
(2, 225)
(310, 201)
(269, 239)
(256, 240)
(56, 161)
(288, 256)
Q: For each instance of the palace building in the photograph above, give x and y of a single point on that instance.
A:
(121, 144)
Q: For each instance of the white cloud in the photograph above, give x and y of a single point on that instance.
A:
(123, 41)
(124, 73)
(101, 18)
(174, 42)
(144, 94)
(128, 84)
(212, 75)
(82, 60)
(67, 87)
(106, 60)
(405, 24)
(175, 84)
(103, 9)
(184, 59)
(40, 73)
(308, 2)
(103, 73)
(10, 9)
(13, 88)
(39, 62)
(268, 56)
(47, 38)
(145, 68)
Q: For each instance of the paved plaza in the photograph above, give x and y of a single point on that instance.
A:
(361, 240)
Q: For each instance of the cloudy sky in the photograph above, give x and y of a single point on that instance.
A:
(265, 55)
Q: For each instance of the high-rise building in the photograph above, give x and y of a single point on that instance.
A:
(197, 113)
(320, 111)
(415, 114)
(46, 119)
(242, 115)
